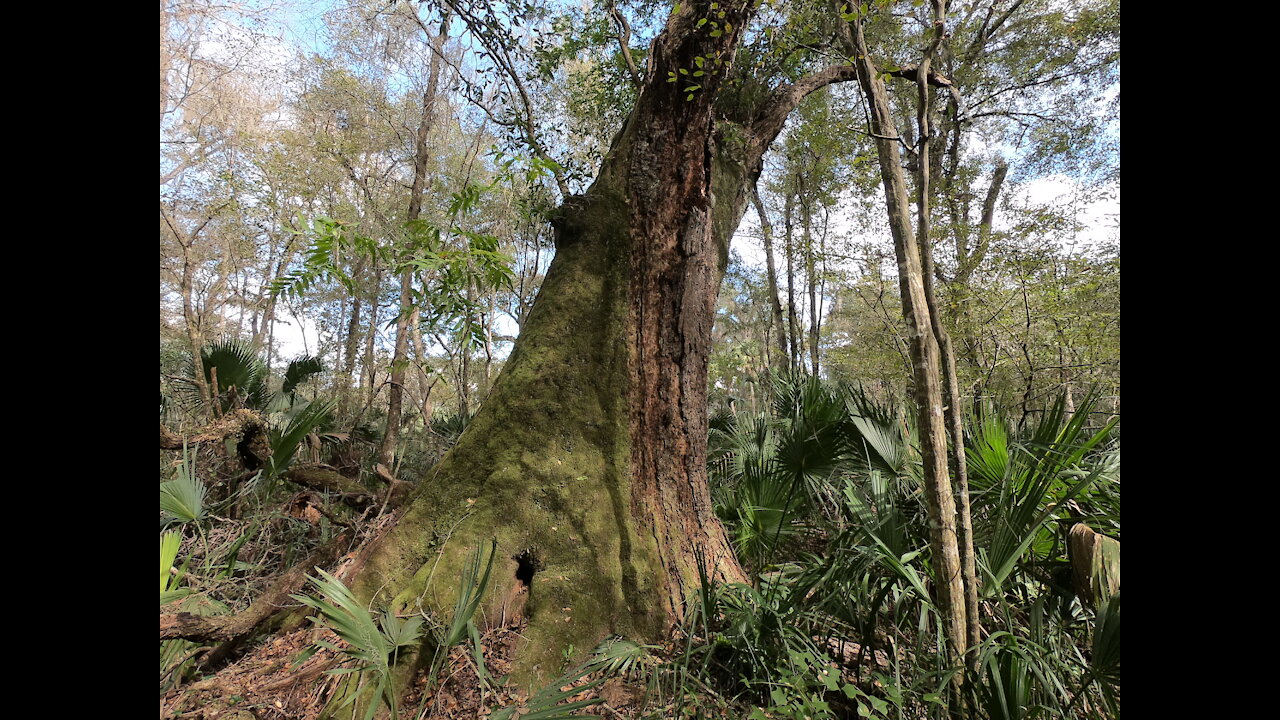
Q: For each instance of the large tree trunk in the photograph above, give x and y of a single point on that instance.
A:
(587, 462)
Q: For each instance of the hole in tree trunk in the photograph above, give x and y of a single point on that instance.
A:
(512, 611)
(527, 564)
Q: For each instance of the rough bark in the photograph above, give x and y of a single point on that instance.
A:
(1095, 564)
(327, 479)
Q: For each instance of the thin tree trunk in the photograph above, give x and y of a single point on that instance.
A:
(793, 356)
(370, 369)
(954, 407)
(766, 233)
(190, 313)
(488, 342)
(811, 279)
(968, 260)
(938, 496)
(350, 348)
(400, 361)
(194, 335)
(166, 61)
(424, 381)
(463, 379)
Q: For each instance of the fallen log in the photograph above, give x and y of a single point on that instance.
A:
(233, 629)
(324, 478)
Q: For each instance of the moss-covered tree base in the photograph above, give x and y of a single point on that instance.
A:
(543, 469)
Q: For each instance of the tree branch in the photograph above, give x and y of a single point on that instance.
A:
(772, 114)
(624, 43)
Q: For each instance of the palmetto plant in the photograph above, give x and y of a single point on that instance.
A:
(244, 380)
(169, 589)
(1021, 485)
(449, 425)
(297, 372)
(182, 499)
(371, 645)
(768, 468)
(288, 432)
(828, 445)
(472, 585)
(240, 374)
(752, 491)
(1104, 663)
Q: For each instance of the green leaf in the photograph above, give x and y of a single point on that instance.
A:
(169, 544)
(830, 680)
(184, 496)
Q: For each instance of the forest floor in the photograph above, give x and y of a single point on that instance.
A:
(271, 684)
